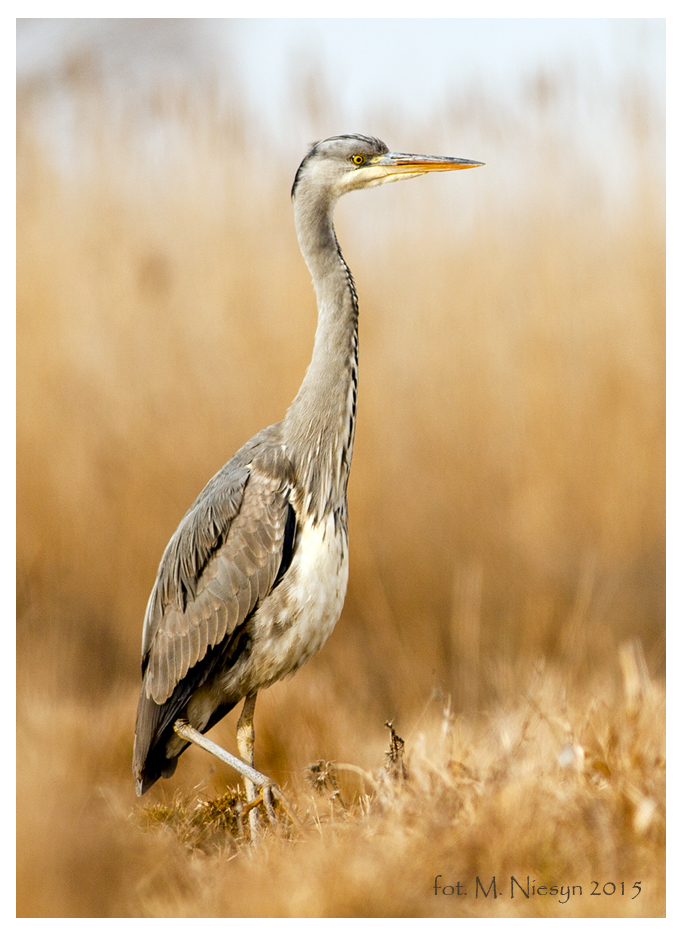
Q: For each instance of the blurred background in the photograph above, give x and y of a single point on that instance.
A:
(507, 493)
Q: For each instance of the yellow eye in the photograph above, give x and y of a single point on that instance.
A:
(359, 160)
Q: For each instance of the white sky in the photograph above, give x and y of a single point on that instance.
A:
(417, 62)
(409, 63)
(386, 77)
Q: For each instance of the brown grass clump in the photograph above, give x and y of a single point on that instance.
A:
(565, 789)
(506, 606)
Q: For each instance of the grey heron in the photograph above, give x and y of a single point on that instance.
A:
(253, 580)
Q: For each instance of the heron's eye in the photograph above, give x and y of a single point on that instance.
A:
(359, 160)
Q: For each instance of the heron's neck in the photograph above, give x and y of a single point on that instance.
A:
(320, 423)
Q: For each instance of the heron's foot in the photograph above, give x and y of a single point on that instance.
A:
(261, 785)
(267, 794)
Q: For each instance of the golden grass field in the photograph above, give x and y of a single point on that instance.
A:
(506, 599)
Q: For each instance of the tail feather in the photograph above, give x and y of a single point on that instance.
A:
(154, 722)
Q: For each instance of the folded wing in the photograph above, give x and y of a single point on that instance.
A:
(221, 562)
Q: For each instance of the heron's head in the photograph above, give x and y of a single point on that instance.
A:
(341, 164)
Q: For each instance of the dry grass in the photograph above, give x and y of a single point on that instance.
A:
(507, 508)
(484, 796)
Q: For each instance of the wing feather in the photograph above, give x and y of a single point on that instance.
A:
(221, 561)
(213, 620)
(196, 641)
(226, 555)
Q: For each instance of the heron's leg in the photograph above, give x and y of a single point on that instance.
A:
(188, 733)
(267, 787)
(245, 746)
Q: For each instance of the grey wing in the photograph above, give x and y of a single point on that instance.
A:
(223, 559)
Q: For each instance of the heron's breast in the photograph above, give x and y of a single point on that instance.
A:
(294, 621)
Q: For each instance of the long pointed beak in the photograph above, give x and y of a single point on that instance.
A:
(406, 165)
